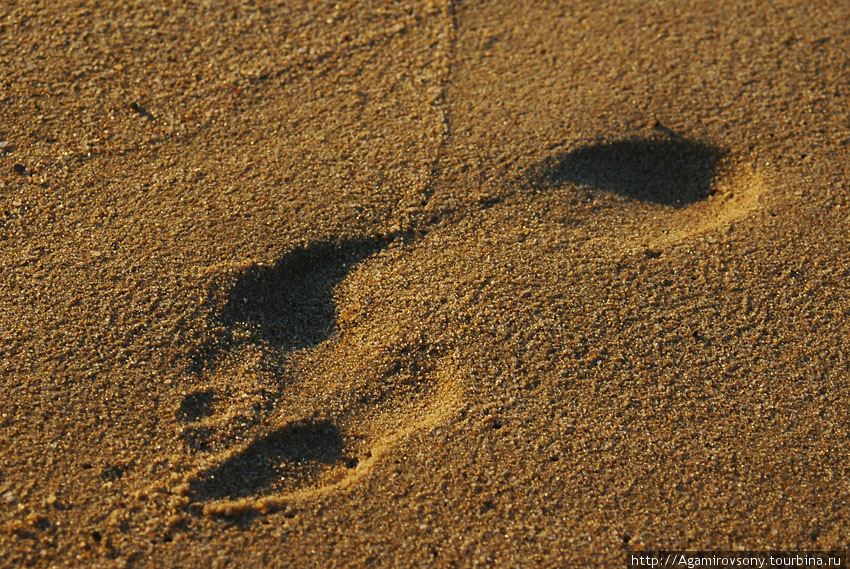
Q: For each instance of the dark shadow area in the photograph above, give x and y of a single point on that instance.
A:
(196, 405)
(113, 473)
(288, 305)
(671, 171)
(282, 460)
(198, 438)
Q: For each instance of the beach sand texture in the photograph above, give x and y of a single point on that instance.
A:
(439, 284)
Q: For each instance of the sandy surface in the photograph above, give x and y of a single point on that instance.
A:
(426, 284)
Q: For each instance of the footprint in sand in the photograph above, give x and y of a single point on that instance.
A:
(365, 387)
(340, 380)
(686, 177)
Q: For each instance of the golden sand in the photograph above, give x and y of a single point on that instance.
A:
(438, 284)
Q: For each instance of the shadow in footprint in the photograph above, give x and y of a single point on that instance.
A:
(196, 405)
(282, 460)
(288, 305)
(674, 171)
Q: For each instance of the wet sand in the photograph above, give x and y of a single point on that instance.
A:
(428, 284)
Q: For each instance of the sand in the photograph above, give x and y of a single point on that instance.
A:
(418, 284)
